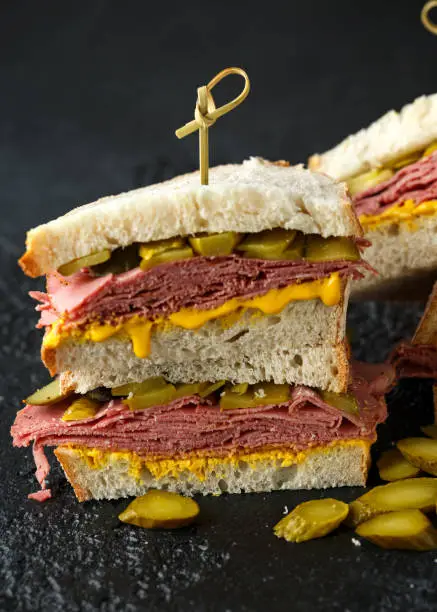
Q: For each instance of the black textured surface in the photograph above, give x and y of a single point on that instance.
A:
(91, 94)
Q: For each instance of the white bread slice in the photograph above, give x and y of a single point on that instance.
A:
(249, 197)
(406, 260)
(391, 137)
(426, 332)
(303, 345)
(339, 465)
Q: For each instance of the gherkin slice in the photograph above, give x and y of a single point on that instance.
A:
(82, 408)
(150, 249)
(153, 397)
(240, 389)
(342, 401)
(405, 161)
(50, 394)
(160, 510)
(210, 245)
(269, 244)
(212, 387)
(407, 494)
(421, 452)
(235, 401)
(296, 249)
(122, 260)
(312, 519)
(330, 249)
(369, 179)
(155, 382)
(402, 530)
(261, 394)
(84, 262)
(430, 150)
(166, 257)
(392, 466)
(185, 390)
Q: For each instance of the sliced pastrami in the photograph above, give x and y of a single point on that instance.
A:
(415, 360)
(417, 182)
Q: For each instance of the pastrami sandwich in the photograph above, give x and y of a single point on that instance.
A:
(391, 170)
(197, 335)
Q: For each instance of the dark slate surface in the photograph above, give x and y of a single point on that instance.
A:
(91, 94)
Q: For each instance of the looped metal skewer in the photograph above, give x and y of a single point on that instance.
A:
(206, 114)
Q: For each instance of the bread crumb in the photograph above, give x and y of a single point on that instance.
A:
(260, 393)
(285, 510)
(355, 542)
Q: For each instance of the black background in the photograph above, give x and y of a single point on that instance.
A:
(91, 93)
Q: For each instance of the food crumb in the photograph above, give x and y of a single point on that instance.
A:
(260, 393)
(285, 510)
(355, 542)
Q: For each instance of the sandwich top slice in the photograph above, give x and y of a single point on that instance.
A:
(391, 171)
(244, 279)
(206, 438)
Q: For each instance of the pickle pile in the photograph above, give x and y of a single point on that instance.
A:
(272, 244)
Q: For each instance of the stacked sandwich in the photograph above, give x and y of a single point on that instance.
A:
(391, 170)
(197, 338)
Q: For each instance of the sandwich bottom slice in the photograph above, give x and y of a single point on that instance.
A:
(208, 438)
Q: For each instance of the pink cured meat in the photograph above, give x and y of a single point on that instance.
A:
(417, 182)
(415, 360)
(200, 282)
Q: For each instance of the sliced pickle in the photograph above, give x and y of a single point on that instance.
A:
(330, 249)
(408, 494)
(403, 530)
(341, 401)
(421, 452)
(122, 260)
(261, 394)
(405, 161)
(150, 249)
(101, 394)
(392, 465)
(155, 382)
(312, 519)
(160, 510)
(50, 394)
(429, 150)
(240, 388)
(84, 262)
(152, 397)
(430, 431)
(269, 244)
(82, 408)
(296, 249)
(212, 387)
(210, 245)
(166, 257)
(367, 180)
(184, 390)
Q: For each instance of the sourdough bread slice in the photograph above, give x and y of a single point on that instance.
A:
(248, 197)
(303, 344)
(405, 256)
(122, 474)
(392, 136)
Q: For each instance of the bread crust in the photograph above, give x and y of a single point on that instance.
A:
(247, 197)
(338, 464)
(426, 332)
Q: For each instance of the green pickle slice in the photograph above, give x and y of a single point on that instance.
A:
(330, 249)
(153, 397)
(312, 519)
(50, 394)
(166, 257)
(261, 394)
(212, 387)
(269, 244)
(402, 530)
(82, 408)
(368, 179)
(154, 382)
(84, 262)
(421, 452)
(392, 466)
(341, 401)
(122, 260)
(296, 249)
(160, 510)
(406, 494)
(210, 245)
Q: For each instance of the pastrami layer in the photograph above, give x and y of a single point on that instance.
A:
(415, 360)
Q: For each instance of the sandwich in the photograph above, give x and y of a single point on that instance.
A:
(197, 336)
(391, 170)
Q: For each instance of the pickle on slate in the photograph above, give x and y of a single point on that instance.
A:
(341, 401)
(210, 245)
(166, 257)
(392, 466)
(84, 262)
(367, 180)
(122, 260)
(155, 382)
(160, 510)
(312, 519)
(402, 530)
(330, 249)
(82, 408)
(408, 494)
(50, 394)
(421, 452)
(430, 431)
(269, 244)
(261, 394)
